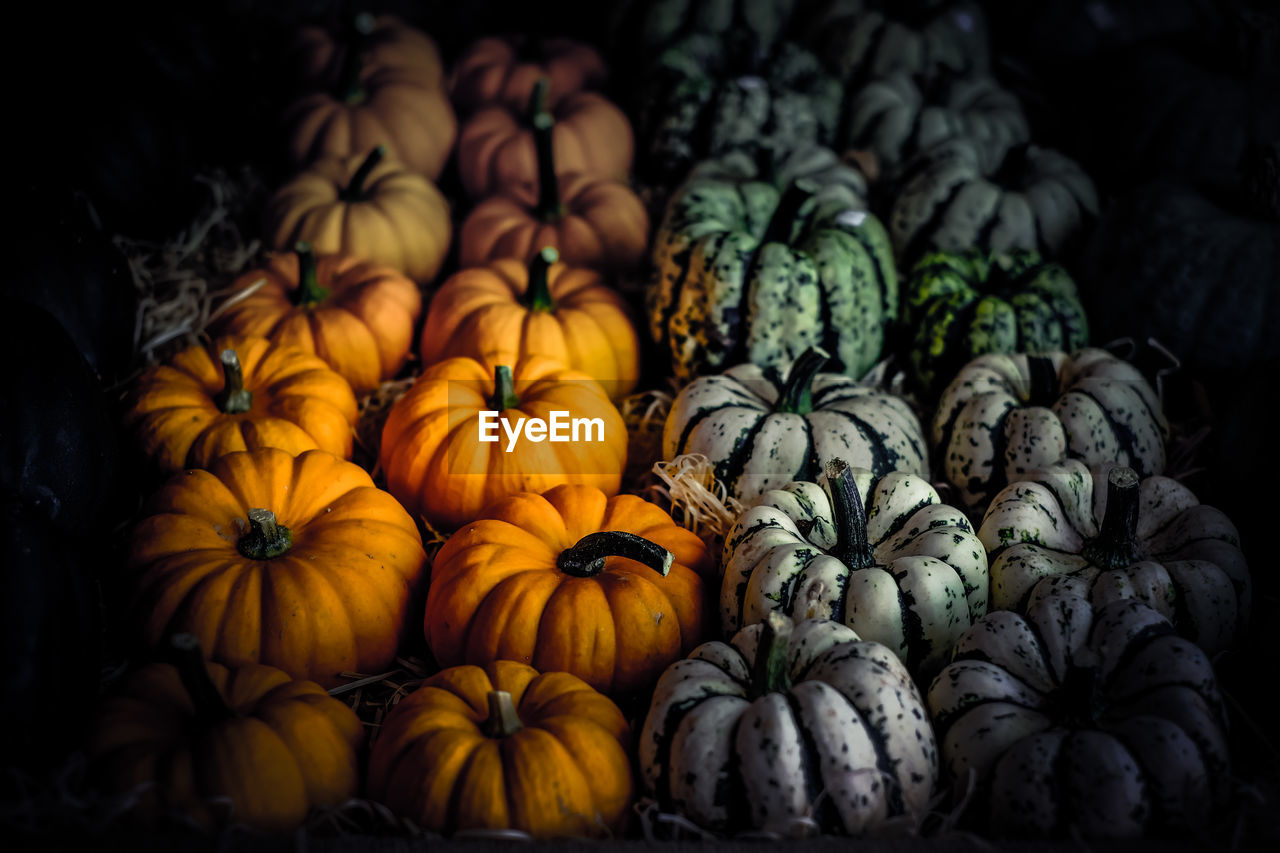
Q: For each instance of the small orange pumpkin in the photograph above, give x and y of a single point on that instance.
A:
(502, 71)
(504, 747)
(437, 465)
(357, 315)
(239, 393)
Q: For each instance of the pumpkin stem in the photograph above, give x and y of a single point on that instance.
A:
(209, 705)
(788, 210)
(235, 399)
(1043, 381)
(266, 537)
(350, 90)
(797, 395)
(586, 558)
(504, 392)
(502, 720)
(769, 670)
(309, 290)
(850, 518)
(538, 294)
(1116, 546)
(540, 119)
(354, 191)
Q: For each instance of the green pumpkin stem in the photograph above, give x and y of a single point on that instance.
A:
(354, 190)
(543, 123)
(502, 720)
(788, 210)
(1116, 544)
(586, 558)
(235, 399)
(769, 670)
(850, 518)
(504, 392)
(266, 538)
(1043, 385)
(309, 290)
(796, 396)
(350, 90)
(538, 294)
(209, 705)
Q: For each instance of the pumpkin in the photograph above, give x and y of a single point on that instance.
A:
(438, 466)
(758, 264)
(496, 147)
(505, 748)
(1082, 722)
(965, 304)
(645, 27)
(503, 70)
(609, 589)
(369, 207)
(952, 200)
(358, 316)
(239, 393)
(508, 309)
(1005, 415)
(381, 84)
(883, 555)
(787, 725)
(762, 429)
(220, 745)
(1106, 534)
(295, 562)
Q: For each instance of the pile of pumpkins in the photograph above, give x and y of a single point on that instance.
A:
(979, 590)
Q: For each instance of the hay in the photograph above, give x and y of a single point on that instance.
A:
(696, 499)
(645, 414)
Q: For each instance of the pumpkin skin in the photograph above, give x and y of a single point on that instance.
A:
(559, 768)
(507, 310)
(503, 70)
(503, 587)
(1082, 722)
(356, 315)
(1006, 415)
(438, 468)
(367, 206)
(1105, 534)
(335, 601)
(761, 431)
(272, 746)
(883, 555)
(753, 734)
(181, 415)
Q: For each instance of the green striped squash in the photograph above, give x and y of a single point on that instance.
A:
(645, 26)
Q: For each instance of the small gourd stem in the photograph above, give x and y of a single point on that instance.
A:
(350, 90)
(1116, 544)
(850, 518)
(309, 290)
(796, 396)
(769, 670)
(266, 538)
(502, 720)
(543, 123)
(504, 392)
(538, 294)
(586, 558)
(234, 399)
(1043, 384)
(782, 222)
(209, 705)
(354, 191)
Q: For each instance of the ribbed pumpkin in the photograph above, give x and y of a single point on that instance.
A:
(368, 206)
(790, 727)
(437, 466)
(507, 310)
(642, 27)
(239, 393)
(357, 315)
(503, 70)
(295, 562)
(218, 746)
(883, 555)
(760, 262)
(1106, 534)
(1005, 415)
(607, 588)
(762, 430)
(505, 747)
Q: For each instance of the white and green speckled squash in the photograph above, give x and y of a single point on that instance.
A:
(1005, 415)
(762, 429)
(758, 262)
(789, 725)
(882, 555)
(1106, 534)
(1082, 722)
(646, 26)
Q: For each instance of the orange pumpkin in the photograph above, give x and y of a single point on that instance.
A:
(507, 310)
(437, 465)
(502, 71)
(239, 393)
(217, 745)
(381, 84)
(370, 207)
(357, 315)
(496, 147)
(505, 748)
(295, 562)
(609, 589)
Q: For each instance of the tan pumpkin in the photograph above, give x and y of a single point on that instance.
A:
(502, 71)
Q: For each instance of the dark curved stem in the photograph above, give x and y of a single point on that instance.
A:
(788, 210)
(538, 294)
(1043, 381)
(850, 518)
(543, 123)
(769, 670)
(1116, 544)
(350, 90)
(266, 538)
(797, 390)
(309, 290)
(504, 392)
(586, 558)
(235, 399)
(502, 720)
(354, 191)
(209, 705)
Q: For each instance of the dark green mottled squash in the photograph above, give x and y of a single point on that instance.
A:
(640, 28)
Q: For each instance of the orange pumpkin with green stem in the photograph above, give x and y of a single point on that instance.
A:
(502, 71)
